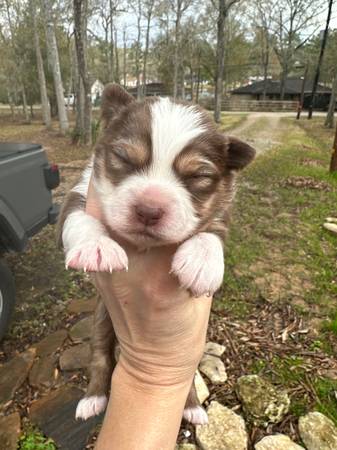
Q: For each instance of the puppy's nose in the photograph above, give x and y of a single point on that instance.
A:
(148, 215)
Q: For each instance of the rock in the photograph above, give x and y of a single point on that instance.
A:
(213, 368)
(77, 357)
(10, 429)
(14, 373)
(277, 442)
(201, 387)
(55, 416)
(225, 430)
(331, 219)
(331, 227)
(186, 447)
(51, 343)
(43, 372)
(79, 306)
(212, 348)
(261, 401)
(318, 432)
(82, 330)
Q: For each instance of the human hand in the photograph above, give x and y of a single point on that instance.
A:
(161, 329)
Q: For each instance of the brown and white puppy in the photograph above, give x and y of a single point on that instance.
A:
(164, 175)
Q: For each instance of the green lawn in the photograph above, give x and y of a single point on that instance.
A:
(279, 256)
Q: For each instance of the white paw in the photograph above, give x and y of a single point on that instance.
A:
(91, 406)
(199, 264)
(97, 255)
(196, 415)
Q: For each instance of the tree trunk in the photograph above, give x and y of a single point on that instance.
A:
(111, 53)
(117, 76)
(283, 81)
(146, 51)
(53, 56)
(198, 85)
(333, 162)
(192, 83)
(79, 102)
(265, 75)
(320, 60)
(80, 26)
(139, 88)
(220, 60)
(329, 121)
(24, 104)
(176, 52)
(124, 59)
(11, 101)
(183, 91)
(46, 115)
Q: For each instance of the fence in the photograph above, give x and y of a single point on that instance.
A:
(251, 105)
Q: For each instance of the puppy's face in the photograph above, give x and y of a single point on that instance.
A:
(161, 169)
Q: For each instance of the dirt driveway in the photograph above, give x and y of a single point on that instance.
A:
(263, 130)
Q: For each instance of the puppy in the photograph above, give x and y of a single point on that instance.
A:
(163, 175)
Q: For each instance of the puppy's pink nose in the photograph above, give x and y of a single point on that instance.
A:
(148, 215)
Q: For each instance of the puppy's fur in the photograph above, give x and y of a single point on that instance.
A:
(163, 175)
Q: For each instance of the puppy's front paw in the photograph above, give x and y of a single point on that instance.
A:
(199, 264)
(97, 255)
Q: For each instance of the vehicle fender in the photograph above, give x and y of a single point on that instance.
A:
(12, 233)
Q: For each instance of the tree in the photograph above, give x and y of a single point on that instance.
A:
(178, 7)
(262, 18)
(54, 62)
(223, 7)
(329, 121)
(148, 13)
(40, 69)
(291, 19)
(320, 60)
(80, 26)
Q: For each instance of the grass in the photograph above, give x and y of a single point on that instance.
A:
(34, 440)
(331, 325)
(279, 251)
(228, 121)
(277, 228)
(326, 397)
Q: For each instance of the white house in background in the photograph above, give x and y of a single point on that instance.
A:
(96, 90)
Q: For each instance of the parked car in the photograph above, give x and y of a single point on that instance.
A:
(69, 100)
(26, 206)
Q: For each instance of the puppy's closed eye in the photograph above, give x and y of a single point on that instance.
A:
(121, 154)
(201, 181)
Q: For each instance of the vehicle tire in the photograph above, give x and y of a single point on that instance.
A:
(7, 297)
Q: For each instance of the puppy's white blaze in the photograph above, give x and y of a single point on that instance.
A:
(196, 415)
(173, 127)
(91, 406)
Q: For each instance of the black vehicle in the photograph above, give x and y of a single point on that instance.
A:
(26, 182)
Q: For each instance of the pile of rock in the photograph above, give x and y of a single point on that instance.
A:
(262, 404)
(52, 362)
(331, 224)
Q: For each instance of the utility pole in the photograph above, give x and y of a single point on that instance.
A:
(300, 106)
(320, 59)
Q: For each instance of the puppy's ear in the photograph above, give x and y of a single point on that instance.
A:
(114, 98)
(239, 154)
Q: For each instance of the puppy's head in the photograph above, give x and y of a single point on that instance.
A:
(161, 168)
